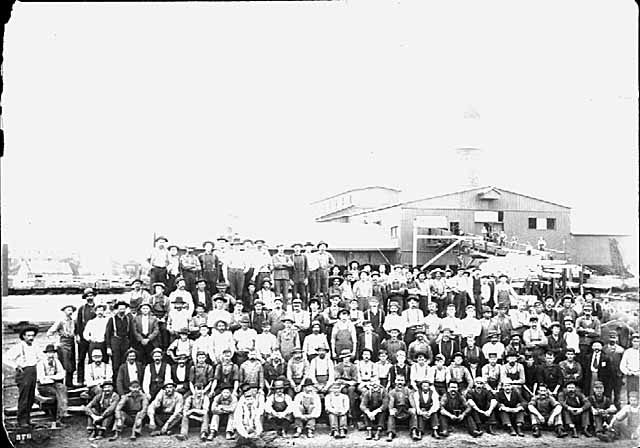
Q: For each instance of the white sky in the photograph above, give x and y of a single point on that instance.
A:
(122, 119)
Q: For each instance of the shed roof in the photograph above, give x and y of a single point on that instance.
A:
(356, 189)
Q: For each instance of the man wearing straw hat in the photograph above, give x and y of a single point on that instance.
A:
(65, 329)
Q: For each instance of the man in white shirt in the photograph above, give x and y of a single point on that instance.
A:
(23, 357)
(219, 312)
(313, 264)
(178, 318)
(94, 330)
(159, 261)
(182, 293)
(570, 336)
(432, 322)
(630, 364)
(470, 324)
(137, 296)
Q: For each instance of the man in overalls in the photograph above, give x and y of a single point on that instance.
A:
(343, 335)
(347, 374)
(65, 329)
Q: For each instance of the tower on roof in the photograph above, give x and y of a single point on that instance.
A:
(468, 148)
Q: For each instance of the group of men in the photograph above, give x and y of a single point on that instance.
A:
(370, 351)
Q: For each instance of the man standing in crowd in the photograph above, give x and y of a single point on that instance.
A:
(159, 261)
(325, 262)
(190, 268)
(262, 263)
(137, 296)
(173, 269)
(146, 332)
(236, 268)
(282, 264)
(65, 329)
(118, 336)
(23, 357)
(313, 264)
(85, 313)
(94, 331)
(300, 274)
(630, 364)
(210, 265)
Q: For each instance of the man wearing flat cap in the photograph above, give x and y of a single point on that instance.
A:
(159, 261)
(65, 329)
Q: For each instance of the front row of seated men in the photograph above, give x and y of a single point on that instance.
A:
(171, 412)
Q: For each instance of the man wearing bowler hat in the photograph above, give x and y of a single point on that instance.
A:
(86, 312)
(159, 261)
(118, 336)
(23, 357)
(65, 329)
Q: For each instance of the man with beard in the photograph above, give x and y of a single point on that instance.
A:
(129, 371)
(400, 407)
(455, 409)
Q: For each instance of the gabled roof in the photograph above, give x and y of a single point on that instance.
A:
(479, 189)
(357, 189)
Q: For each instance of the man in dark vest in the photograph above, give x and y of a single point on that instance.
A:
(156, 374)
(426, 402)
(211, 266)
(129, 371)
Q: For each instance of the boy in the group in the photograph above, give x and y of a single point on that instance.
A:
(337, 407)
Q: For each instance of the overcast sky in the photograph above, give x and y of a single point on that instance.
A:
(125, 119)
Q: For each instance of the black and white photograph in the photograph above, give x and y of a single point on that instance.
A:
(356, 223)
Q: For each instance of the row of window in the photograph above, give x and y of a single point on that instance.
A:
(534, 224)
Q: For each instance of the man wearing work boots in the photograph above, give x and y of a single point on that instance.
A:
(131, 410)
(101, 411)
(482, 405)
(399, 406)
(545, 410)
(165, 410)
(196, 408)
(454, 408)
(373, 405)
(576, 410)
(306, 408)
(602, 407)
(427, 404)
(511, 408)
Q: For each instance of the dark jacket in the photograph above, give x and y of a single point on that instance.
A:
(123, 380)
(154, 329)
(448, 354)
(605, 370)
(375, 342)
(513, 401)
(109, 332)
(83, 316)
(208, 303)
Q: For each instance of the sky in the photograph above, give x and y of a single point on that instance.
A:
(126, 119)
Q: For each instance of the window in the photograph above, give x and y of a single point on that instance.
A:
(394, 232)
(551, 223)
(500, 216)
(533, 223)
(454, 227)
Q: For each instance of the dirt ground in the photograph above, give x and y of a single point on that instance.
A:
(74, 437)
